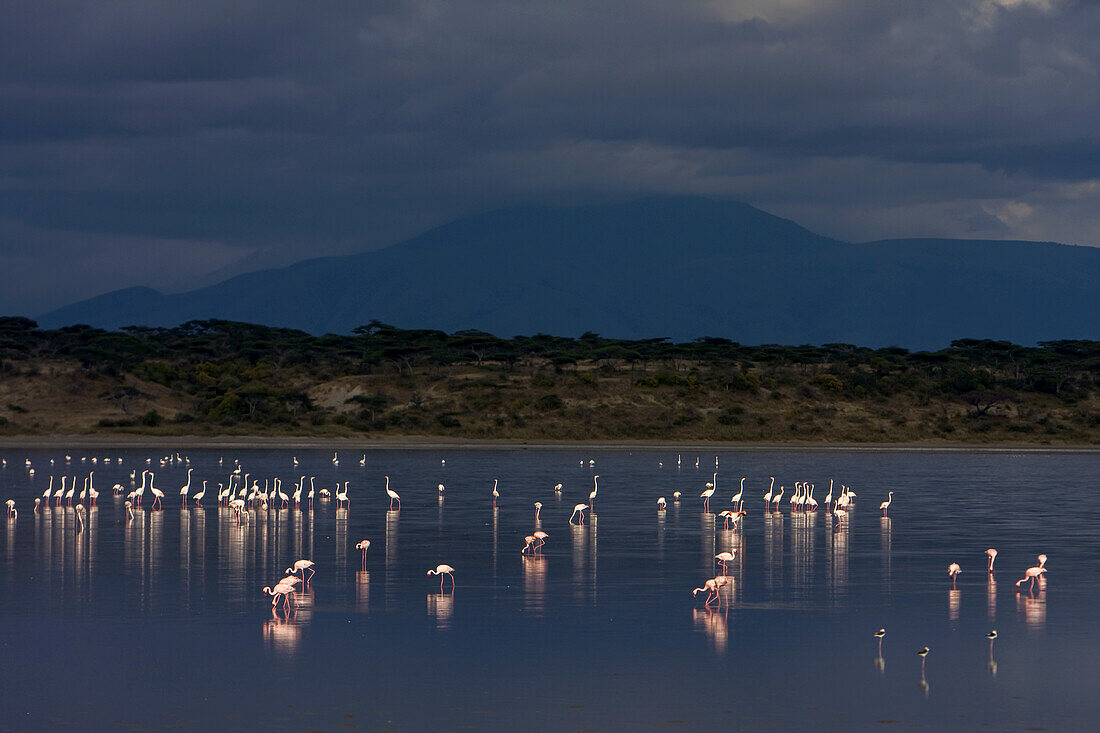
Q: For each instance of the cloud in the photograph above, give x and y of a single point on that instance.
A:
(269, 132)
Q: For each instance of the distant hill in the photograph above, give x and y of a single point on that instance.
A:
(676, 267)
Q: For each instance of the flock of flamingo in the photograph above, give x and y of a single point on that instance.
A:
(239, 494)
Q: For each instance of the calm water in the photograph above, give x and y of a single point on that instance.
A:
(159, 622)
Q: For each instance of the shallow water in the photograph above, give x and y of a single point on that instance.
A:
(159, 622)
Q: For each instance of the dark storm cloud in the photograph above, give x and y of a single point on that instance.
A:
(255, 134)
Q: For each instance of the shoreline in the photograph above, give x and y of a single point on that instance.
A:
(436, 443)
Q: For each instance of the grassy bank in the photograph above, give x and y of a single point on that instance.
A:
(220, 378)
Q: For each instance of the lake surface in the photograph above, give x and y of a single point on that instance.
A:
(159, 622)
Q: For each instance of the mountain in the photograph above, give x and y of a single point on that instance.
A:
(677, 267)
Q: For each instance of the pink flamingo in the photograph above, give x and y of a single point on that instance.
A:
(279, 590)
(991, 553)
(393, 494)
(709, 492)
(363, 545)
(530, 540)
(886, 504)
(725, 557)
(1032, 574)
(303, 566)
(953, 570)
(442, 570)
(538, 509)
(1042, 561)
(578, 510)
(661, 504)
(711, 587)
(540, 538)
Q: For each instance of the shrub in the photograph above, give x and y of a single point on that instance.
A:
(152, 419)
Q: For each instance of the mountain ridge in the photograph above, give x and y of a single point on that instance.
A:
(679, 266)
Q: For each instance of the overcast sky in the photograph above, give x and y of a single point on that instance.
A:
(173, 144)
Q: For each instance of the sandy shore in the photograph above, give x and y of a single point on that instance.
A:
(177, 442)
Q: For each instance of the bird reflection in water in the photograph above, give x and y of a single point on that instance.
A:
(392, 517)
(341, 542)
(282, 635)
(442, 607)
(880, 663)
(954, 599)
(991, 597)
(579, 537)
(534, 583)
(1034, 609)
(923, 684)
(362, 591)
(773, 550)
(714, 623)
(992, 635)
(886, 544)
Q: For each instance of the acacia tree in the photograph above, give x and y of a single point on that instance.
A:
(983, 401)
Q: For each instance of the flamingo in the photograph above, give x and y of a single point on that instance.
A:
(661, 504)
(711, 586)
(79, 517)
(793, 501)
(1042, 561)
(342, 496)
(953, 570)
(157, 493)
(70, 492)
(768, 496)
(442, 570)
(363, 460)
(595, 488)
(186, 487)
(812, 501)
(578, 509)
(676, 496)
(48, 491)
(1031, 573)
(279, 590)
(557, 488)
(393, 494)
(198, 497)
(829, 496)
(884, 506)
(440, 488)
(140, 491)
(363, 545)
(129, 509)
(303, 566)
(777, 498)
(496, 494)
(736, 499)
(538, 508)
(530, 540)
(991, 553)
(724, 558)
(709, 492)
(540, 538)
(11, 508)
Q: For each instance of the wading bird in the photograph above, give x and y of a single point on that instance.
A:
(442, 570)
(392, 494)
